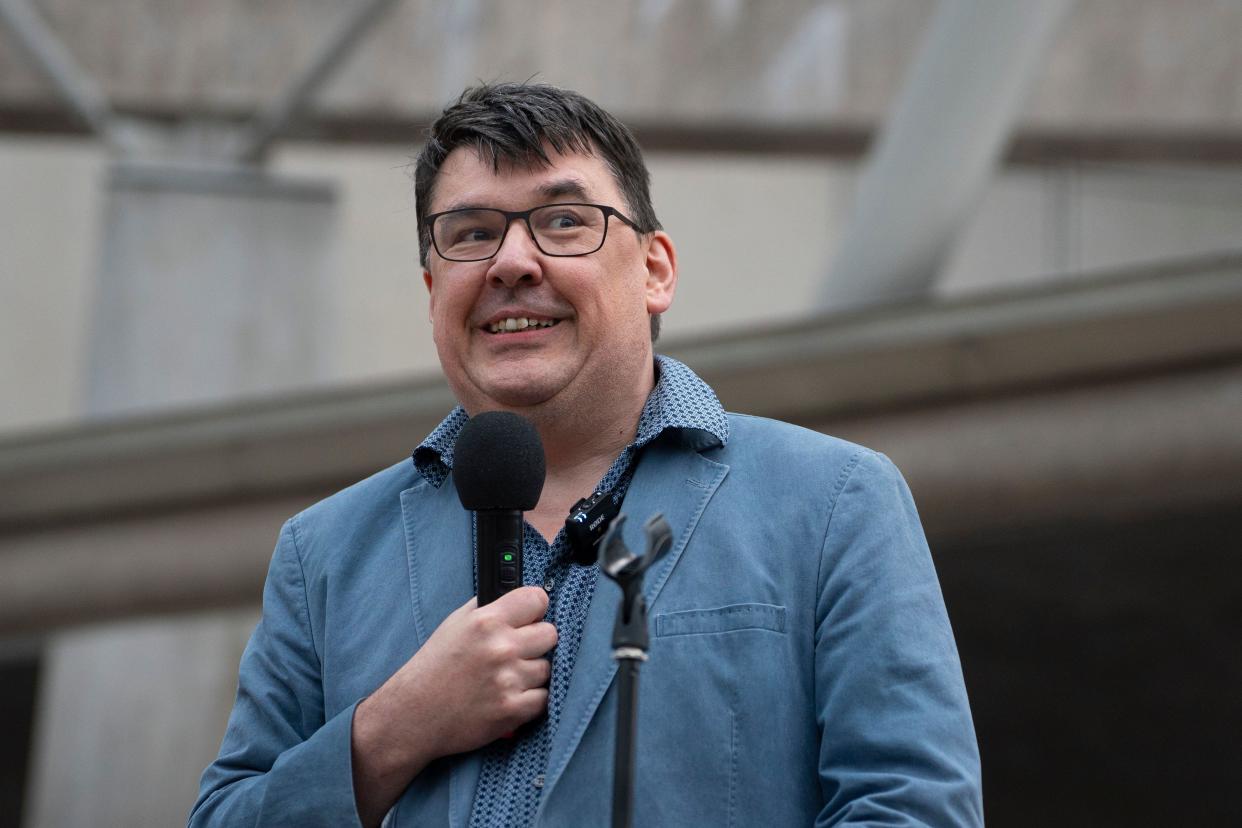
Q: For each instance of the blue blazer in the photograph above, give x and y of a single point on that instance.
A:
(802, 668)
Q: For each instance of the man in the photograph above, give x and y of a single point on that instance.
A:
(802, 665)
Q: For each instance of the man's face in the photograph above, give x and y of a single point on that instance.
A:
(598, 348)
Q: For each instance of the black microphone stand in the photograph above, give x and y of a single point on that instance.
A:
(629, 647)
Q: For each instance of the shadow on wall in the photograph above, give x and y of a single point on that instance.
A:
(18, 679)
(1103, 669)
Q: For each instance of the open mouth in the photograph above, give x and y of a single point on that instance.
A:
(513, 324)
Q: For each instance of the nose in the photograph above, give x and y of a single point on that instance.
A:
(517, 261)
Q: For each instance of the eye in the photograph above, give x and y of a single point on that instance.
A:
(468, 227)
(561, 218)
(476, 233)
(564, 220)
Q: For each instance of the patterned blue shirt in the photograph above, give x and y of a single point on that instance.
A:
(511, 780)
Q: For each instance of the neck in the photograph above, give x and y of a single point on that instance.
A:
(580, 444)
(585, 441)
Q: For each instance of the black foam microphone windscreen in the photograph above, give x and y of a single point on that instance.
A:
(498, 469)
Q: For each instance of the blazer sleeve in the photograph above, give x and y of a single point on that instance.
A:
(280, 762)
(897, 744)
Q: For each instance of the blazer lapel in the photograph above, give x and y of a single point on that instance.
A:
(438, 546)
(438, 543)
(679, 483)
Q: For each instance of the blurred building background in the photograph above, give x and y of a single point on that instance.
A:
(1000, 241)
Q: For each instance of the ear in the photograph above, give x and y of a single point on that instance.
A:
(431, 305)
(661, 272)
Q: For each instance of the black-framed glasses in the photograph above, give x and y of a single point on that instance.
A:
(473, 234)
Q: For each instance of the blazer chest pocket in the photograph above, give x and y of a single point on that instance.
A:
(708, 690)
(721, 619)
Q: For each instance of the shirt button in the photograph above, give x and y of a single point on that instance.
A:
(538, 781)
(548, 583)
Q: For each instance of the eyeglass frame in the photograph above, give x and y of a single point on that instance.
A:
(524, 215)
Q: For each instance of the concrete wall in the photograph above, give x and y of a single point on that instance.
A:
(50, 198)
(129, 716)
(210, 284)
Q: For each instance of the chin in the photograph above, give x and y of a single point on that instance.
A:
(519, 397)
(523, 383)
(520, 389)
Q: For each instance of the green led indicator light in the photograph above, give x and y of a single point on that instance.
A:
(508, 556)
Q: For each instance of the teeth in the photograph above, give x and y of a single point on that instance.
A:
(519, 323)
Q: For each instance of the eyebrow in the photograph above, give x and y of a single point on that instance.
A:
(565, 187)
(572, 187)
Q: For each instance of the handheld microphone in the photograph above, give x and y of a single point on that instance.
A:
(498, 469)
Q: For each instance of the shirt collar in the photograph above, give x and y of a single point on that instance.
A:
(680, 401)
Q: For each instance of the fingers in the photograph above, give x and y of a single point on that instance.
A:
(534, 640)
(522, 606)
(529, 704)
(523, 695)
(533, 673)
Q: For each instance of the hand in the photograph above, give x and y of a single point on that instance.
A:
(480, 675)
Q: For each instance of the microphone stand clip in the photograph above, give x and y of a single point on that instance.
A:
(630, 640)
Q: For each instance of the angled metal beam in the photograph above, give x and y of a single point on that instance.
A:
(272, 121)
(938, 148)
(33, 36)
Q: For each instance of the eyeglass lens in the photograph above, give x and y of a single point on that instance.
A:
(560, 230)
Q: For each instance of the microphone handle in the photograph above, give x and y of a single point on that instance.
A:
(498, 552)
